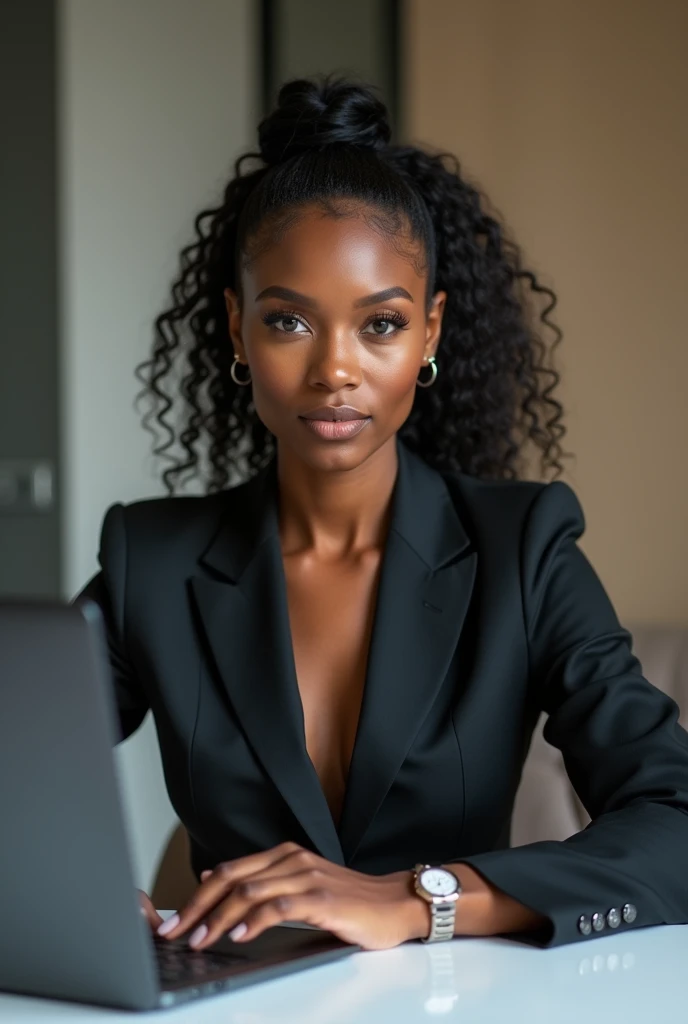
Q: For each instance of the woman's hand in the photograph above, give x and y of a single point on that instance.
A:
(149, 911)
(288, 883)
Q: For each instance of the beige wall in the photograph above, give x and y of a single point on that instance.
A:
(572, 114)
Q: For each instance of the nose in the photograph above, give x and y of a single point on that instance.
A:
(334, 363)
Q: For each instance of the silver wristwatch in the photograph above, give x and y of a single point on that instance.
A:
(440, 889)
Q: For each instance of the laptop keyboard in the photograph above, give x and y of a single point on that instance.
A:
(177, 962)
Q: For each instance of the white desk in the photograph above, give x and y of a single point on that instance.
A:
(631, 977)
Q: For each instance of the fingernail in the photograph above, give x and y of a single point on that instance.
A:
(143, 911)
(236, 933)
(204, 874)
(169, 924)
(198, 935)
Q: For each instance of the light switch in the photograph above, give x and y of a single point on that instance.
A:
(26, 486)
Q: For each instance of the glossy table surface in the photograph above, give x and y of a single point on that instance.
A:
(632, 976)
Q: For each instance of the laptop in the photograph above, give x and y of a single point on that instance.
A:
(72, 927)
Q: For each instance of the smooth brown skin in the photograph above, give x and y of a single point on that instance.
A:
(334, 515)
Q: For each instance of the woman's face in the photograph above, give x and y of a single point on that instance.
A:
(332, 315)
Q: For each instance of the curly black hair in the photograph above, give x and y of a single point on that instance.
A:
(328, 139)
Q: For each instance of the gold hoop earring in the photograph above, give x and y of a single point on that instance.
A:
(232, 373)
(428, 383)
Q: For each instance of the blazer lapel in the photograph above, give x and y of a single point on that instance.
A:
(427, 576)
(244, 616)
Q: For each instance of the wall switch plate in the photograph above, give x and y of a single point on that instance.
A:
(26, 486)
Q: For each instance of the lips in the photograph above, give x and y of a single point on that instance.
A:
(335, 422)
(335, 413)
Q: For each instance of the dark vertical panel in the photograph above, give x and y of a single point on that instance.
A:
(394, 20)
(358, 37)
(29, 380)
(267, 54)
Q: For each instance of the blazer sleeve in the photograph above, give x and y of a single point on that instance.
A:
(107, 590)
(624, 751)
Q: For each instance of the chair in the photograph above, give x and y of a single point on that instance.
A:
(547, 806)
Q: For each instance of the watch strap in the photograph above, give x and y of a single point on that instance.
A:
(443, 917)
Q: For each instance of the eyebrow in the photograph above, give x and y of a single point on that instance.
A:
(276, 291)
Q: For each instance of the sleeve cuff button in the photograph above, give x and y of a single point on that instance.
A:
(598, 922)
(629, 913)
(613, 918)
(584, 926)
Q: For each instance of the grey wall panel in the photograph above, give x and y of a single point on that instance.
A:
(29, 387)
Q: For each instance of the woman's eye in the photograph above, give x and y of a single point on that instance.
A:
(290, 325)
(381, 327)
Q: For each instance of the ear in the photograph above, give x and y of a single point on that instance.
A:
(433, 324)
(234, 321)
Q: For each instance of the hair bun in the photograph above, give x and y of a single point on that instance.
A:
(311, 114)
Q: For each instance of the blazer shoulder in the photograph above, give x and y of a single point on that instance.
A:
(508, 506)
(152, 523)
(150, 515)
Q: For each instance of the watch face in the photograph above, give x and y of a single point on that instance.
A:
(438, 882)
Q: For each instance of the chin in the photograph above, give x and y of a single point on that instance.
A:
(332, 456)
(335, 457)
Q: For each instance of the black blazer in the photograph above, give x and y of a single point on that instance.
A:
(488, 613)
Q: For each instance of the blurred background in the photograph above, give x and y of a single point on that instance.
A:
(120, 121)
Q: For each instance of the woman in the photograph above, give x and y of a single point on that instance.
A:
(346, 651)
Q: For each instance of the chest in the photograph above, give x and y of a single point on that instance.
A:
(331, 613)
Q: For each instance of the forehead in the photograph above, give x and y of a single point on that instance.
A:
(345, 248)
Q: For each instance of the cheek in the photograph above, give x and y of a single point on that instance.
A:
(395, 377)
(276, 372)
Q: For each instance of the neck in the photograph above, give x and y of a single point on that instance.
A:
(335, 514)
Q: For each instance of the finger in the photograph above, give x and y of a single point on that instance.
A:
(211, 891)
(315, 907)
(148, 910)
(253, 892)
(155, 919)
